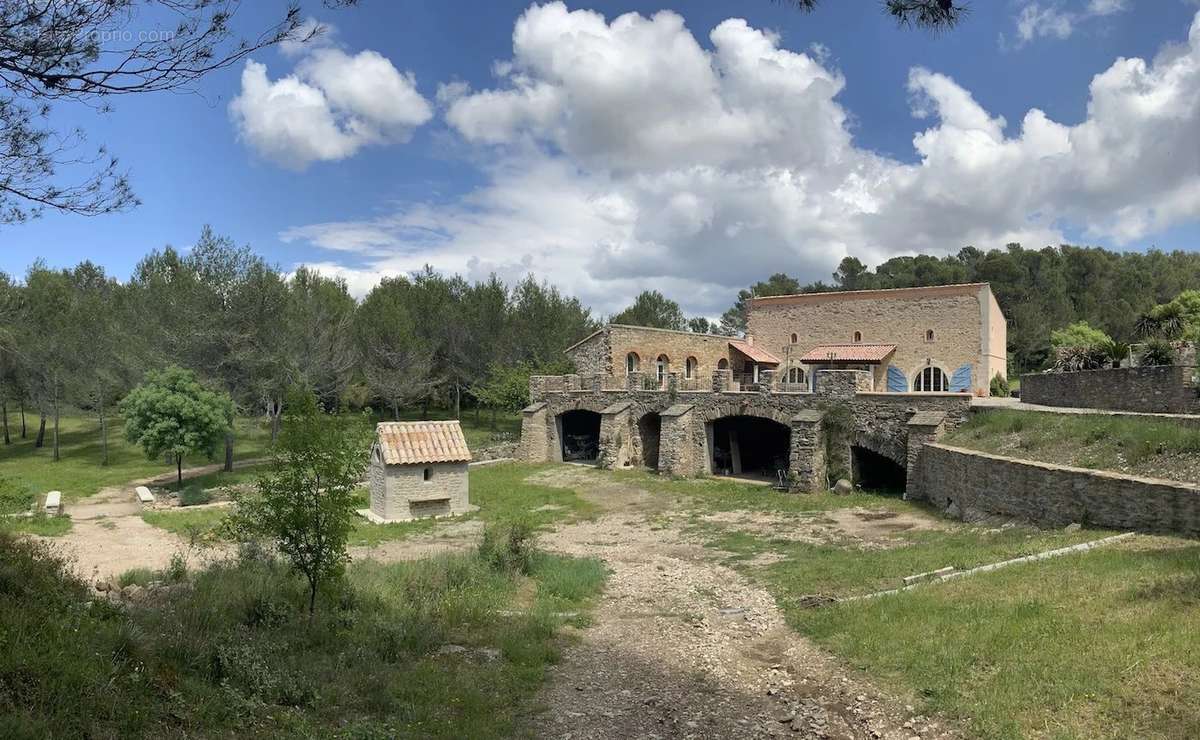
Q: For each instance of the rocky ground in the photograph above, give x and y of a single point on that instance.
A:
(683, 647)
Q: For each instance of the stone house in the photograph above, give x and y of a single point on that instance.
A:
(418, 469)
(948, 338)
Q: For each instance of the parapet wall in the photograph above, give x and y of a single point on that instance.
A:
(1164, 389)
(971, 485)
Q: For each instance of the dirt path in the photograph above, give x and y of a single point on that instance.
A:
(683, 647)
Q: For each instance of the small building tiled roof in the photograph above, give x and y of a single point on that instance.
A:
(848, 353)
(418, 442)
(757, 354)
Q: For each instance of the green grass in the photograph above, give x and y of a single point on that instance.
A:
(187, 522)
(79, 472)
(1100, 644)
(479, 432)
(232, 652)
(39, 524)
(1125, 444)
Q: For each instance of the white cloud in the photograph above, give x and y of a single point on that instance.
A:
(621, 155)
(331, 106)
(1052, 20)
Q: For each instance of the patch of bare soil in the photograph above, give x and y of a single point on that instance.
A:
(872, 528)
(449, 537)
(683, 647)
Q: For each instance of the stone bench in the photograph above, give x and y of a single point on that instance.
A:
(53, 502)
(144, 495)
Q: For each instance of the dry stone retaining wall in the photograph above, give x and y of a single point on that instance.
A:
(1164, 389)
(969, 485)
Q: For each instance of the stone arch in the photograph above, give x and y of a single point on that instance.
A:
(579, 434)
(933, 371)
(633, 363)
(878, 462)
(751, 445)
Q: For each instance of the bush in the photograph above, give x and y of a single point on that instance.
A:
(1079, 334)
(194, 495)
(1157, 352)
(1117, 352)
(999, 386)
(15, 497)
(1075, 358)
(510, 547)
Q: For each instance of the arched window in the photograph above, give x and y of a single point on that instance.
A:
(929, 335)
(857, 337)
(662, 366)
(722, 364)
(931, 380)
(631, 363)
(689, 368)
(795, 338)
(795, 375)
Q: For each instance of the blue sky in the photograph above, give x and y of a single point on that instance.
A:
(526, 171)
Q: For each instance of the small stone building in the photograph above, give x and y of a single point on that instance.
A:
(418, 469)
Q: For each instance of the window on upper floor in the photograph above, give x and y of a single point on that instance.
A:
(857, 337)
(929, 335)
(631, 363)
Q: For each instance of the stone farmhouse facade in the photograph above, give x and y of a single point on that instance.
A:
(948, 338)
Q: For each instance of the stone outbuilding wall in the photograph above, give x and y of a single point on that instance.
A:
(970, 485)
(1164, 389)
(403, 492)
(880, 421)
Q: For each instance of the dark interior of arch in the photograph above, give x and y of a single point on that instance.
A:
(580, 435)
(749, 445)
(875, 472)
(650, 431)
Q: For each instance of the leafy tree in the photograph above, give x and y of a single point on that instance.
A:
(733, 321)
(172, 413)
(305, 502)
(935, 15)
(46, 332)
(506, 389)
(396, 358)
(700, 325)
(653, 309)
(1079, 334)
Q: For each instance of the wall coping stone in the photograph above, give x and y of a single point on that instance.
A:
(808, 416)
(534, 407)
(617, 407)
(678, 409)
(927, 419)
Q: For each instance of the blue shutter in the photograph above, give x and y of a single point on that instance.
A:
(960, 382)
(896, 382)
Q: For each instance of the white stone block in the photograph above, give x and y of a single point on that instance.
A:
(53, 502)
(144, 495)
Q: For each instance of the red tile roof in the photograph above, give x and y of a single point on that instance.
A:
(756, 354)
(417, 442)
(848, 353)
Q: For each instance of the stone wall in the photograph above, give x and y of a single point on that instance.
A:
(970, 485)
(407, 493)
(965, 320)
(592, 355)
(1160, 389)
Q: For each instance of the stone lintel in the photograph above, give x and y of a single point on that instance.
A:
(927, 419)
(678, 409)
(533, 408)
(618, 407)
(808, 416)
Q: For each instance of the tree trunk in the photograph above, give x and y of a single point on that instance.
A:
(395, 410)
(425, 410)
(179, 472)
(457, 400)
(493, 418)
(229, 451)
(276, 411)
(22, 417)
(312, 600)
(4, 412)
(55, 456)
(476, 412)
(41, 435)
(103, 437)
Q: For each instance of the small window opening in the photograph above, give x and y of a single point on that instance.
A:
(427, 474)
(929, 335)
(857, 337)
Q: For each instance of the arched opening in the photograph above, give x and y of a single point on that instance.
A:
(580, 432)
(931, 380)
(795, 338)
(857, 337)
(661, 367)
(722, 364)
(795, 376)
(875, 472)
(689, 368)
(929, 335)
(649, 434)
(750, 446)
(631, 363)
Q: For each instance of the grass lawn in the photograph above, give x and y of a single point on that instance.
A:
(79, 472)
(445, 648)
(499, 490)
(46, 526)
(478, 431)
(1148, 447)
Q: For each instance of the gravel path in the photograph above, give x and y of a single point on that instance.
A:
(684, 647)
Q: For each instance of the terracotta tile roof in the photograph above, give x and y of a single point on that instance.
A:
(757, 354)
(848, 353)
(416, 442)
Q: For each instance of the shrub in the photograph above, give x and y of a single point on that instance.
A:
(510, 546)
(15, 497)
(1079, 334)
(999, 386)
(1116, 351)
(1075, 358)
(194, 495)
(1157, 352)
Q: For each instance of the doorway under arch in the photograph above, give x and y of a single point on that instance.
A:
(750, 446)
(649, 437)
(579, 430)
(875, 472)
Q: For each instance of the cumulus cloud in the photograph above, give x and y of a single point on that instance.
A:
(332, 105)
(623, 155)
(1052, 20)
